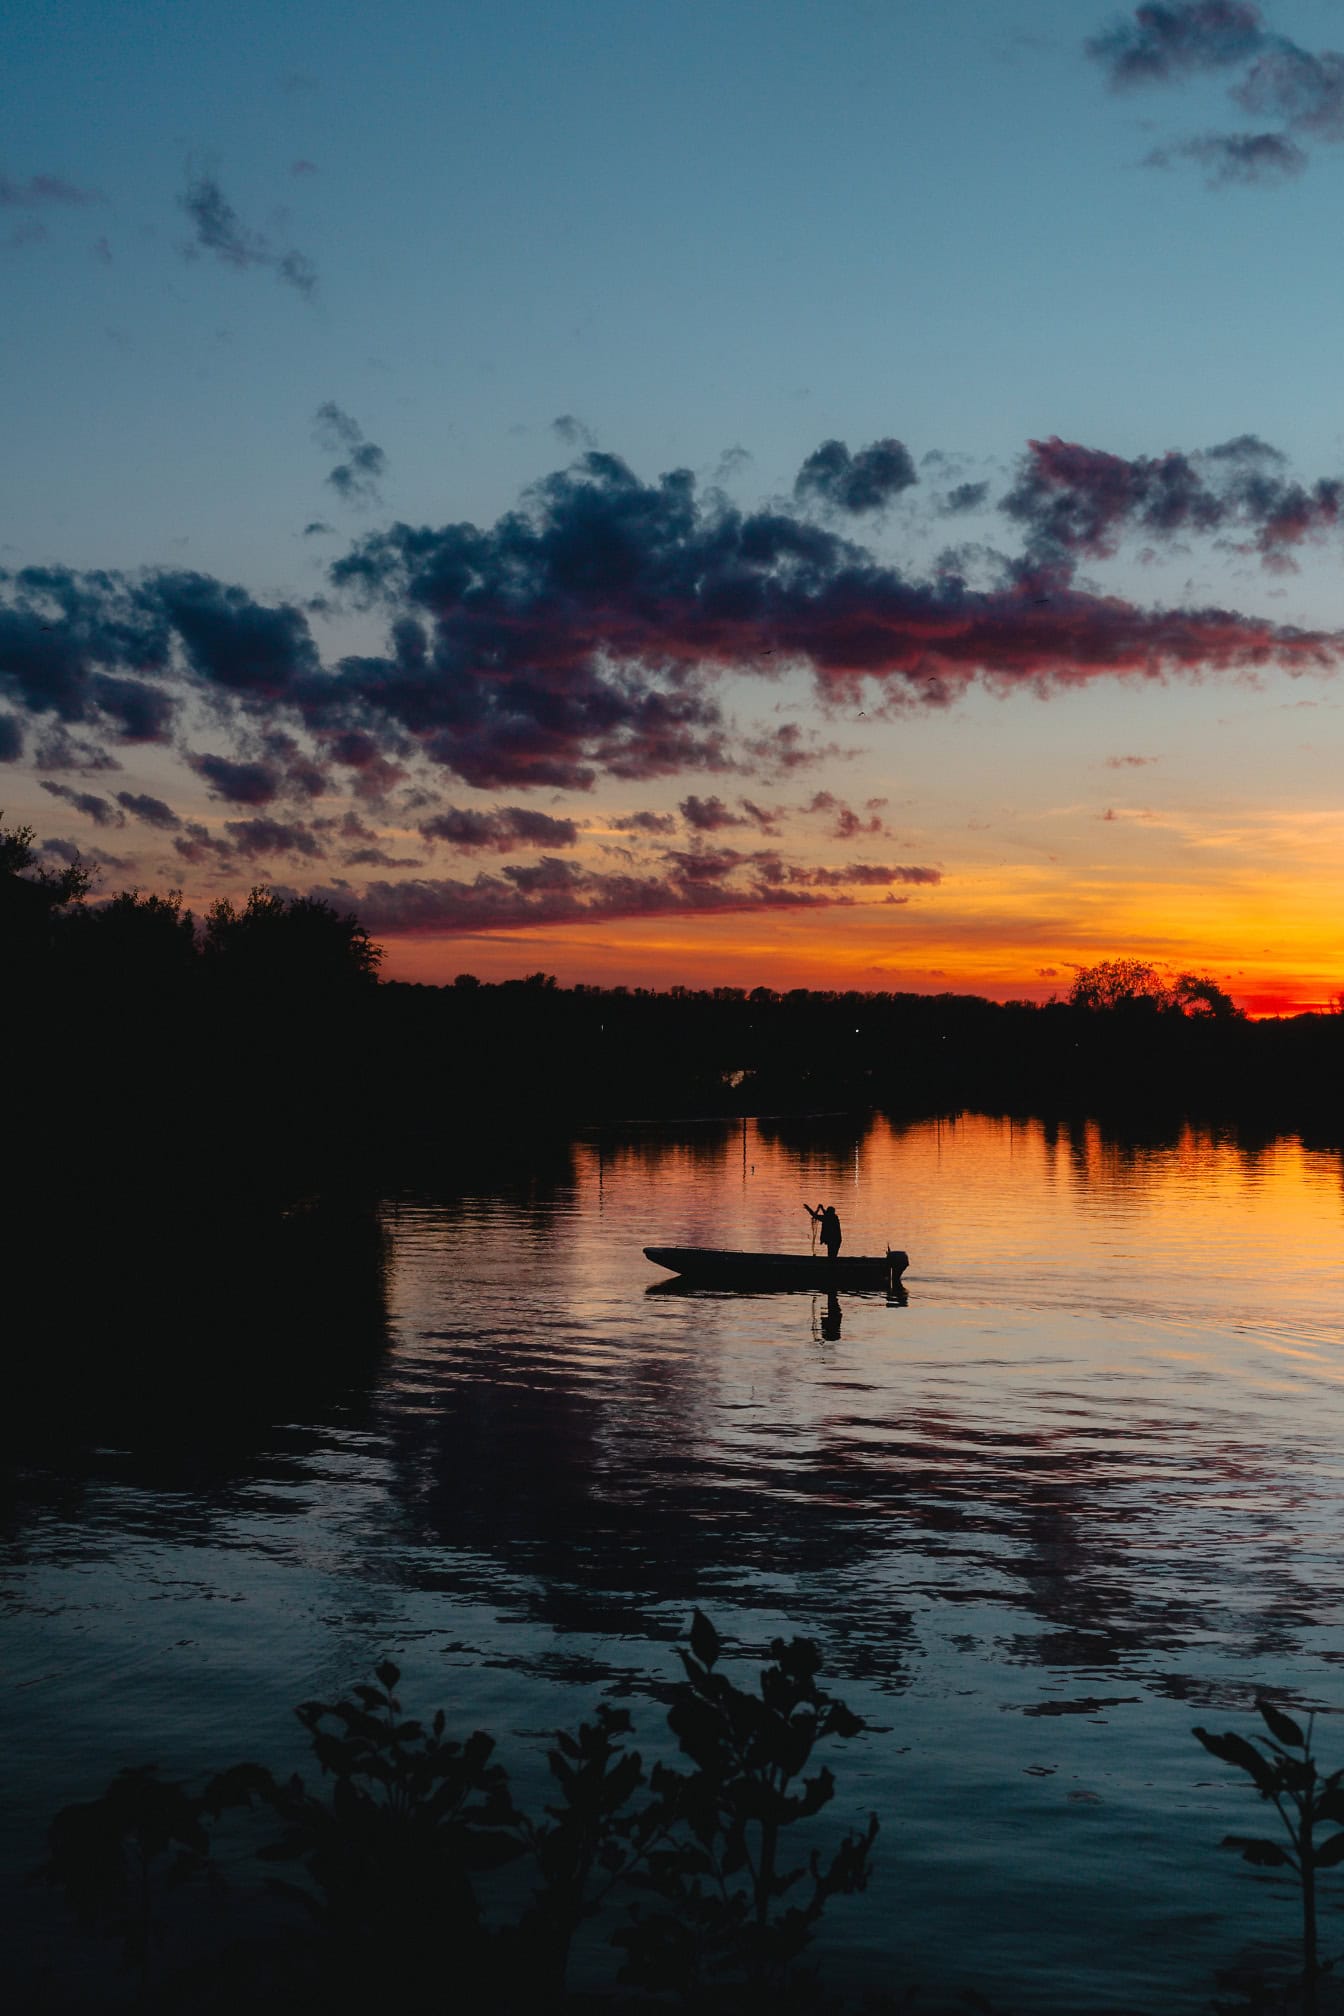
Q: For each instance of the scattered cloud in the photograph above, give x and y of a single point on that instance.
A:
(585, 634)
(356, 479)
(573, 432)
(1075, 502)
(1235, 157)
(40, 192)
(100, 810)
(1167, 41)
(218, 230)
(502, 831)
(153, 811)
(855, 484)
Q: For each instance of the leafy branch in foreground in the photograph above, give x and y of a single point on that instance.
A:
(720, 1884)
(1284, 1771)
(397, 1859)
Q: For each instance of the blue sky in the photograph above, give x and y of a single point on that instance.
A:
(692, 229)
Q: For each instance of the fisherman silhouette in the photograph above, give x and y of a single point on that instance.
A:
(827, 1221)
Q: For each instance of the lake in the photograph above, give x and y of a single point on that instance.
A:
(1081, 1490)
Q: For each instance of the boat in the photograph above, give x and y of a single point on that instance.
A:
(713, 1267)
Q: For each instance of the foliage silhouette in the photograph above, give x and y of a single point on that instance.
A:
(398, 1856)
(1284, 1771)
(117, 1858)
(716, 1912)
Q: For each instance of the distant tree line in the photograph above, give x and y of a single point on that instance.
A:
(262, 1033)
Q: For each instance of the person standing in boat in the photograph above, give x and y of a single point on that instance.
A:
(827, 1220)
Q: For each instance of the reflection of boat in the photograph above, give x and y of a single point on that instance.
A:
(711, 1267)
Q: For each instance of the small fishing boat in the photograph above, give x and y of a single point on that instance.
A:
(712, 1267)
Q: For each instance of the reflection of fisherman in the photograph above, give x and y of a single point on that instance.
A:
(827, 1222)
(831, 1321)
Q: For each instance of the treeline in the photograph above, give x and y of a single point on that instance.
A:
(258, 1042)
(529, 1047)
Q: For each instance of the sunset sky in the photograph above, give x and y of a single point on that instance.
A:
(700, 491)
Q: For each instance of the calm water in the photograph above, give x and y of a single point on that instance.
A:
(1083, 1490)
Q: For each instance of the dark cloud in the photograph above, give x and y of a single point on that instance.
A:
(230, 640)
(506, 828)
(582, 635)
(1235, 157)
(356, 479)
(573, 432)
(964, 497)
(1159, 43)
(250, 837)
(11, 739)
(1305, 91)
(218, 229)
(1076, 502)
(199, 845)
(316, 527)
(1280, 80)
(708, 815)
(303, 167)
(644, 822)
(58, 749)
(152, 810)
(238, 783)
(868, 481)
(847, 824)
(732, 463)
(41, 190)
(377, 857)
(100, 810)
(558, 892)
(864, 875)
(70, 852)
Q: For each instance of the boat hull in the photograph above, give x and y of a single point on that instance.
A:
(713, 1268)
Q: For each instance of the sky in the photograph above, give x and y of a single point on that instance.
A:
(751, 493)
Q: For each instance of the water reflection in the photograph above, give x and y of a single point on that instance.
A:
(1086, 1472)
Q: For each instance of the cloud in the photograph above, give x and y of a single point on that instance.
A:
(315, 527)
(377, 857)
(868, 481)
(153, 811)
(250, 837)
(218, 229)
(1128, 762)
(199, 845)
(1306, 91)
(238, 783)
(303, 167)
(708, 815)
(1077, 502)
(554, 892)
(1280, 80)
(1162, 42)
(964, 497)
(356, 479)
(40, 191)
(584, 634)
(506, 828)
(100, 810)
(644, 822)
(848, 824)
(11, 739)
(70, 852)
(1236, 157)
(573, 432)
